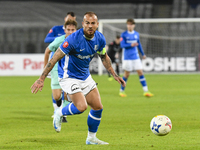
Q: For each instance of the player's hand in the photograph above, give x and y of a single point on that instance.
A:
(38, 85)
(134, 44)
(144, 57)
(120, 81)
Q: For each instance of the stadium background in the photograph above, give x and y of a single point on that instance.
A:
(24, 24)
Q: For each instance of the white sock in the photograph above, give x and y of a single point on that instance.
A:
(55, 106)
(60, 112)
(145, 88)
(91, 134)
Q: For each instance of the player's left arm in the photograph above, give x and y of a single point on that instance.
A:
(107, 64)
(141, 49)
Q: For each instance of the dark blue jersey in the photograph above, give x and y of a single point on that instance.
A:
(129, 52)
(54, 32)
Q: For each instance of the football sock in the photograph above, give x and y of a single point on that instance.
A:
(59, 102)
(91, 134)
(143, 83)
(65, 103)
(123, 88)
(93, 120)
(70, 109)
(63, 98)
(54, 103)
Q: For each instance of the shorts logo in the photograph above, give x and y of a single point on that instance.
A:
(66, 44)
(74, 87)
(50, 31)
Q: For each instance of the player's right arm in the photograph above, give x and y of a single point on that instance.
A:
(124, 44)
(38, 85)
(46, 56)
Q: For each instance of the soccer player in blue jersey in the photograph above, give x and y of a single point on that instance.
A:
(70, 27)
(58, 30)
(78, 49)
(130, 42)
(55, 32)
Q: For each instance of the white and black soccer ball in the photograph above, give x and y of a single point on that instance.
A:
(161, 125)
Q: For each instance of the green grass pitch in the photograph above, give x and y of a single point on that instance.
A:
(26, 121)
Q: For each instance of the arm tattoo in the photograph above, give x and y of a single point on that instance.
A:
(38, 82)
(58, 55)
(49, 65)
(107, 64)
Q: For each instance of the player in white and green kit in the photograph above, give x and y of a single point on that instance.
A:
(70, 27)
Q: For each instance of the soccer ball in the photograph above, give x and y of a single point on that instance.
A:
(161, 125)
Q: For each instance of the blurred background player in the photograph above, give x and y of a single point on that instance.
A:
(56, 31)
(130, 42)
(114, 52)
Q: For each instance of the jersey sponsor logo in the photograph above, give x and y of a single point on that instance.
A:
(85, 57)
(82, 49)
(121, 39)
(131, 41)
(65, 45)
(50, 31)
(74, 87)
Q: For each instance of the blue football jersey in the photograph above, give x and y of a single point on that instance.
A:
(79, 52)
(129, 52)
(54, 32)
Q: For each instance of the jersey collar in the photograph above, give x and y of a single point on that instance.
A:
(132, 32)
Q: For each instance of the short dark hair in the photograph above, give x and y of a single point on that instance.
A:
(70, 22)
(90, 13)
(130, 20)
(117, 36)
(71, 13)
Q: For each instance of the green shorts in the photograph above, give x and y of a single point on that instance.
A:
(54, 78)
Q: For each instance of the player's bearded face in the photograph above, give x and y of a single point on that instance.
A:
(90, 25)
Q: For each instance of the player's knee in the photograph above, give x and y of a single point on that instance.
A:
(82, 107)
(140, 72)
(98, 107)
(56, 97)
(126, 74)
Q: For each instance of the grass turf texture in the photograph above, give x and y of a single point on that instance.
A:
(26, 121)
